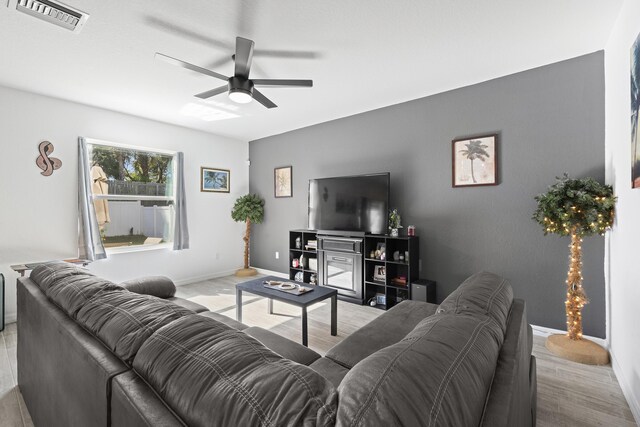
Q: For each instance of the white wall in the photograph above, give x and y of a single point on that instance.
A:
(624, 239)
(38, 219)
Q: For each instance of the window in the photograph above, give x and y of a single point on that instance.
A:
(133, 194)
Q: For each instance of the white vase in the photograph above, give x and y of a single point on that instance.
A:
(394, 232)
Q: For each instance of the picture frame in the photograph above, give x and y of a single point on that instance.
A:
(379, 273)
(283, 181)
(215, 180)
(474, 161)
(381, 251)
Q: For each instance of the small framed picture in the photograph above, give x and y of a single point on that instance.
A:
(381, 252)
(474, 161)
(381, 299)
(215, 180)
(282, 181)
(379, 273)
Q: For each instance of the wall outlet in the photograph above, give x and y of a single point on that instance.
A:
(277, 255)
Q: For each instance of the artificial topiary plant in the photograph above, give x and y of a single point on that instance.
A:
(248, 209)
(576, 208)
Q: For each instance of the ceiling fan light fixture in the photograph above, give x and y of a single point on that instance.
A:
(240, 88)
(240, 96)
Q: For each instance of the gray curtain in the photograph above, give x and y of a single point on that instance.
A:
(181, 231)
(89, 242)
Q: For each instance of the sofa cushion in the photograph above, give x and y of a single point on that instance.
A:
(211, 374)
(124, 320)
(158, 286)
(439, 374)
(46, 274)
(189, 305)
(70, 287)
(283, 346)
(481, 294)
(387, 329)
(330, 370)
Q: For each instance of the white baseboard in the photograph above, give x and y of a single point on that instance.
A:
(197, 279)
(545, 332)
(633, 401)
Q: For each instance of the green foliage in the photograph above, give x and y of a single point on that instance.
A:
(394, 219)
(583, 206)
(131, 165)
(216, 179)
(111, 161)
(249, 206)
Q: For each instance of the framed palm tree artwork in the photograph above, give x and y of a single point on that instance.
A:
(474, 161)
(215, 180)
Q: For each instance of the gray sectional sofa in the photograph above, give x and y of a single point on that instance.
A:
(93, 353)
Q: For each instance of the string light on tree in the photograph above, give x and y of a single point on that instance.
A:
(576, 208)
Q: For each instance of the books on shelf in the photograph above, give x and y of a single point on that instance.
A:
(399, 281)
(311, 244)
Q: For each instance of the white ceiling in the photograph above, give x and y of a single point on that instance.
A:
(361, 54)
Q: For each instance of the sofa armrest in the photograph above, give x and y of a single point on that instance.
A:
(387, 329)
(157, 286)
(135, 404)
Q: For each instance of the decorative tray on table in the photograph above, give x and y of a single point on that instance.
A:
(288, 287)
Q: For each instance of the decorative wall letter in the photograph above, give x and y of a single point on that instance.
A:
(44, 162)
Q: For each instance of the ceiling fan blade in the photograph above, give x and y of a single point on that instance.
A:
(244, 55)
(213, 92)
(280, 82)
(258, 96)
(191, 67)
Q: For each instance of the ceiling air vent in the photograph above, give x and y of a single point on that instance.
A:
(54, 12)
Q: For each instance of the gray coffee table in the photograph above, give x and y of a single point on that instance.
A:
(319, 293)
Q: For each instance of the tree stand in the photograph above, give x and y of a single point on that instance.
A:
(246, 272)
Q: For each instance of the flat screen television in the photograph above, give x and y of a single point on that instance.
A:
(350, 203)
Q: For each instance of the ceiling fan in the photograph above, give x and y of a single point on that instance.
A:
(240, 87)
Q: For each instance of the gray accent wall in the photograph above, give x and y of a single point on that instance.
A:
(550, 120)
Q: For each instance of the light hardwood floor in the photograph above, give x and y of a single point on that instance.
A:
(569, 394)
